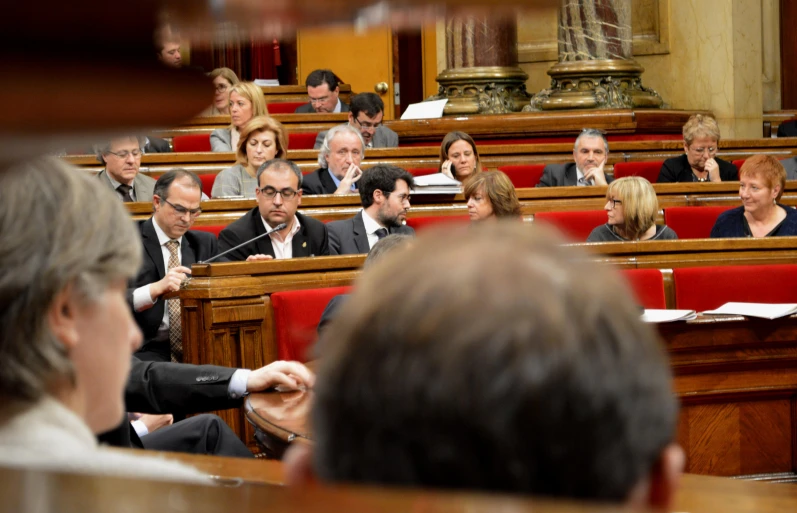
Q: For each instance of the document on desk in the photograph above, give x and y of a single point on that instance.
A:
(762, 310)
(425, 110)
(656, 315)
(436, 183)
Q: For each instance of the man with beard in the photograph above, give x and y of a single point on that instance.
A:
(385, 197)
(279, 195)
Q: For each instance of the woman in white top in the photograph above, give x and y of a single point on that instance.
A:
(246, 102)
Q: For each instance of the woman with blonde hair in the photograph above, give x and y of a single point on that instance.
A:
(631, 208)
(491, 195)
(262, 139)
(246, 102)
(223, 80)
(699, 162)
(459, 158)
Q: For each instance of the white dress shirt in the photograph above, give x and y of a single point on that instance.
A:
(283, 247)
(371, 226)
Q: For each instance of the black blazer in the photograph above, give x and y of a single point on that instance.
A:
(319, 182)
(677, 169)
(559, 175)
(195, 246)
(310, 240)
(307, 108)
(348, 237)
(157, 145)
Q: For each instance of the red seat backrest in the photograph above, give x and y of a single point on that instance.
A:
(423, 171)
(648, 287)
(192, 142)
(283, 107)
(420, 223)
(208, 179)
(301, 140)
(692, 222)
(296, 316)
(738, 163)
(647, 170)
(576, 225)
(524, 176)
(706, 288)
(215, 229)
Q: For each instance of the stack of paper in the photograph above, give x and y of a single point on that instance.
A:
(762, 310)
(425, 110)
(437, 183)
(654, 315)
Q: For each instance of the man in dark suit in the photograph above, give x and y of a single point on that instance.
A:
(169, 250)
(367, 110)
(156, 145)
(324, 91)
(385, 197)
(589, 154)
(122, 159)
(279, 195)
(341, 153)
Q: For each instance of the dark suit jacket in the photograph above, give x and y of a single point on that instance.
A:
(307, 108)
(787, 129)
(560, 175)
(330, 311)
(310, 240)
(157, 145)
(195, 246)
(319, 182)
(677, 169)
(348, 237)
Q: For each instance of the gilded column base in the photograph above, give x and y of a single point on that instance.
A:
(596, 84)
(482, 90)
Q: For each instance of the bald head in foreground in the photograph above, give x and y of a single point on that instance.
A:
(498, 361)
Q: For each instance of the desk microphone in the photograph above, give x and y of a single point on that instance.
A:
(269, 232)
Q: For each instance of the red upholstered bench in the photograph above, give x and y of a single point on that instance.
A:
(208, 179)
(215, 229)
(648, 287)
(647, 170)
(421, 223)
(296, 316)
(692, 222)
(301, 140)
(423, 171)
(706, 288)
(189, 143)
(576, 225)
(524, 176)
(283, 107)
(738, 163)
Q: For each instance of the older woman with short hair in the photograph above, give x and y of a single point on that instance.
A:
(631, 208)
(699, 162)
(459, 158)
(246, 102)
(761, 182)
(262, 139)
(491, 195)
(223, 80)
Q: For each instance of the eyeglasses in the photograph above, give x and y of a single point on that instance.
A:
(403, 197)
(614, 203)
(319, 100)
(366, 125)
(182, 210)
(124, 154)
(699, 151)
(270, 192)
(222, 88)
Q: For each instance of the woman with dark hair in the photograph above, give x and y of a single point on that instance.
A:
(459, 157)
(491, 195)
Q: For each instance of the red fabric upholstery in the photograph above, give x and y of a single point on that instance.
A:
(648, 287)
(193, 142)
(211, 228)
(283, 107)
(738, 163)
(296, 316)
(301, 140)
(423, 171)
(692, 222)
(208, 179)
(576, 225)
(706, 288)
(647, 170)
(524, 176)
(420, 223)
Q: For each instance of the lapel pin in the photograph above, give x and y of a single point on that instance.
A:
(304, 244)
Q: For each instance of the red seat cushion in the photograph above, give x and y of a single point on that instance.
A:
(692, 222)
(420, 223)
(296, 316)
(301, 140)
(648, 287)
(576, 225)
(524, 176)
(706, 288)
(423, 171)
(738, 163)
(208, 179)
(210, 228)
(647, 170)
(283, 107)
(192, 142)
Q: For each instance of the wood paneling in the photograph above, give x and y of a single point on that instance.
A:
(788, 54)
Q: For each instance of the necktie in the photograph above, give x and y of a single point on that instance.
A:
(124, 190)
(175, 326)
(381, 233)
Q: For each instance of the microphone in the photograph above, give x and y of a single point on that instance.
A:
(269, 232)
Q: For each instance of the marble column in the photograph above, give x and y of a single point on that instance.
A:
(596, 68)
(482, 75)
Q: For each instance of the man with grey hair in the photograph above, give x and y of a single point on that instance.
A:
(122, 159)
(339, 163)
(590, 154)
(278, 195)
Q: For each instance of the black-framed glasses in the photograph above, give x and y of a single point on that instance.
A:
(124, 154)
(614, 202)
(181, 210)
(367, 125)
(222, 88)
(270, 192)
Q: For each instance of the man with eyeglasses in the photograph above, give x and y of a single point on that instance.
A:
(366, 114)
(339, 161)
(122, 159)
(170, 247)
(278, 195)
(590, 153)
(323, 90)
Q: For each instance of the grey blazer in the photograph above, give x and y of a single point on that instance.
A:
(348, 237)
(383, 138)
(143, 185)
(790, 164)
(221, 140)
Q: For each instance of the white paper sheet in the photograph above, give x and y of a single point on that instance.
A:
(762, 310)
(425, 110)
(656, 315)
